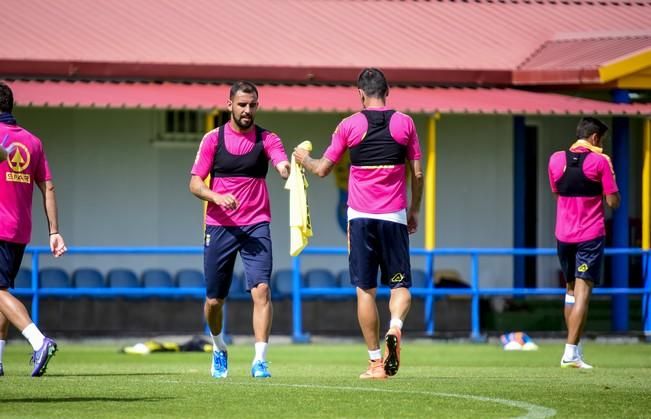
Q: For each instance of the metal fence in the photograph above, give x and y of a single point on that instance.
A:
(299, 291)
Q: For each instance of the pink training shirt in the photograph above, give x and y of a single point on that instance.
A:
(251, 193)
(375, 190)
(581, 218)
(25, 165)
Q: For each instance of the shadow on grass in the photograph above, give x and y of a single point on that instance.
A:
(111, 374)
(85, 399)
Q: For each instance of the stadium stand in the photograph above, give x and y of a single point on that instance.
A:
(88, 278)
(238, 289)
(419, 278)
(156, 278)
(54, 278)
(281, 284)
(190, 278)
(122, 278)
(23, 279)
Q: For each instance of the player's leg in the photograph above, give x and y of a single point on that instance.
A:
(11, 256)
(257, 259)
(4, 332)
(396, 273)
(363, 261)
(219, 260)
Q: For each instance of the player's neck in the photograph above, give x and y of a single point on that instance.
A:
(374, 103)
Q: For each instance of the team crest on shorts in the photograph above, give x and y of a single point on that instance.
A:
(207, 240)
(397, 277)
(583, 268)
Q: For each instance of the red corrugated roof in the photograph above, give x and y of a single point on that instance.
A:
(311, 98)
(479, 41)
(576, 60)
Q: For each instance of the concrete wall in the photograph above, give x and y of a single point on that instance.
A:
(116, 188)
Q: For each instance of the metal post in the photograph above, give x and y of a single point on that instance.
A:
(35, 295)
(430, 315)
(620, 233)
(646, 227)
(297, 311)
(474, 275)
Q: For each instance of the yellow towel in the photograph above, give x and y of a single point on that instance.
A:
(300, 225)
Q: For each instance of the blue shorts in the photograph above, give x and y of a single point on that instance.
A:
(221, 245)
(582, 260)
(374, 244)
(11, 256)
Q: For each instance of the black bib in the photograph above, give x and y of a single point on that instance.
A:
(378, 148)
(574, 182)
(252, 164)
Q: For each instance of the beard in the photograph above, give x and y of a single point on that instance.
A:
(243, 125)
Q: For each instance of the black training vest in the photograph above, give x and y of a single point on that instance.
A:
(378, 148)
(574, 182)
(252, 164)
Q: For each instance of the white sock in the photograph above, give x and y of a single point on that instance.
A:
(2, 349)
(34, 336)
(260, 351)
(218, 343)
(375, 354)
(570, 352)
(395, 323)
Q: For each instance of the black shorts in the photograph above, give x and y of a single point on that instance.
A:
(222, 244)
(582, 260)
(11, 256)
(374, 244)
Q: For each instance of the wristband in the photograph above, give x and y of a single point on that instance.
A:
(52, 234)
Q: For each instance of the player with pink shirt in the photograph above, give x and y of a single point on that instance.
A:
(381, 142)
(22, 165)
(580, 178)
(236, 157)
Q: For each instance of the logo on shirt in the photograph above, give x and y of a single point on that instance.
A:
(18, 162)
(582, 268)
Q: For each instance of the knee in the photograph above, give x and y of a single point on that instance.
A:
(214, 303)
(261, 293)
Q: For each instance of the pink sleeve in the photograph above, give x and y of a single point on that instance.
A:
(205, 155)
(274, 148)
(413, 145)
(550, 173)
(339, 143)
(608, 176)
(42, 172)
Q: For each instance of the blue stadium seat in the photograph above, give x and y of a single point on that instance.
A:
(87, 278)
(321, 278)
(23, 278)
(343, 279)
(238, 288)
(54, 278)
(122, 278)
(281, 283)
(418, 278)
(156, 278)
(190, 278)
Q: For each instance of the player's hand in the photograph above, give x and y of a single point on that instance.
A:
(283, 169)
(412, 221)
(57, 245)
(301, 154)
(227, 201)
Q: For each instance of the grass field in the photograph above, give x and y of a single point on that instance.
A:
(320, 380)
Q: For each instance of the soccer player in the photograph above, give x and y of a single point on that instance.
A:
(237, 220)
(24, 164)
(381, 142)
(580, 178)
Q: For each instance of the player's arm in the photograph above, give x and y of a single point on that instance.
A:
(283, 169)
(416, 174)
(320, 167)
(201, 191)
(57, 245)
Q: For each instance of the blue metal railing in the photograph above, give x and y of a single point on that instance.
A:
(475, 291)
(298, 291)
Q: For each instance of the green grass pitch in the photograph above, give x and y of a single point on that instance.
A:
(320, 380)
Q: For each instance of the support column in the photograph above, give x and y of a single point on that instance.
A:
(620, 233)
(519, 167)
(646, 226)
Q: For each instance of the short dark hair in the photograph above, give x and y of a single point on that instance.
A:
(373, 83)
(588, 126)
(244, 87)
(6, 98)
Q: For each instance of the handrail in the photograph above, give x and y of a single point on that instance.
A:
(475, 291)
(429, 292)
